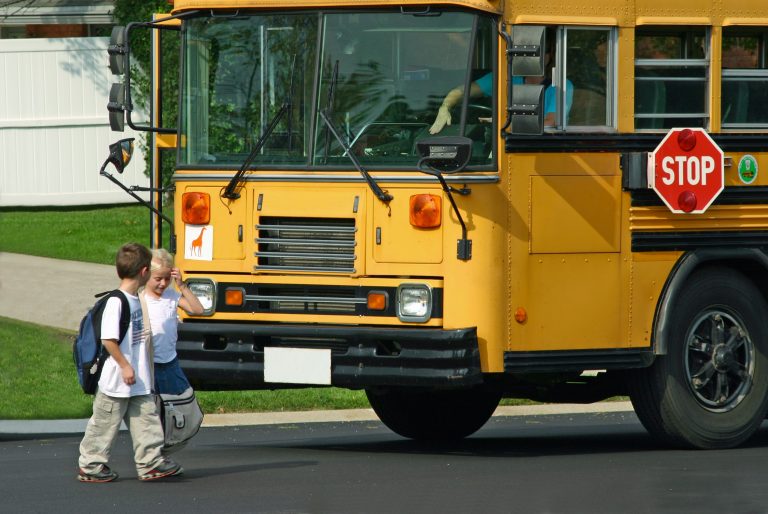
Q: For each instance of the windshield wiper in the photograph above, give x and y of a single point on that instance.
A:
(380, 194)
(230, 191)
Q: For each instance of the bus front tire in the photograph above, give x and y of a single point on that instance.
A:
(710, 390)
(433, 415)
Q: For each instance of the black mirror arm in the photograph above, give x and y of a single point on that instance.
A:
(126, 51)
(508, 42)
(464, 245)
(104, 173)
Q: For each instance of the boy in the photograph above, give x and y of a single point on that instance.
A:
(124, 387)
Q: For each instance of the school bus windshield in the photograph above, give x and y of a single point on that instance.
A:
(358, 68)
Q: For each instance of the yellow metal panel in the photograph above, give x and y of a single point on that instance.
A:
(395, 240)
(718, 217)
(673, 20)
(165, 140)
(575, 214)
(311, 201)
(175, 22)
(754, 22)
(626, 80)
(475, 290)
(648, 273)
(537, 19)
(551, 12)
(558, 164)
(732, 171)
(681, 12)
(572, 303)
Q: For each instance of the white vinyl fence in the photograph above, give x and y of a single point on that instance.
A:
(54, 129)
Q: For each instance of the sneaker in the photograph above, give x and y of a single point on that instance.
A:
(179, 471)
(103, 475)
(162, 470)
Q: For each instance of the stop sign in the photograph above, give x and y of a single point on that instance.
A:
(686, 170)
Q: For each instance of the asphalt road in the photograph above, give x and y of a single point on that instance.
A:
(576, 463)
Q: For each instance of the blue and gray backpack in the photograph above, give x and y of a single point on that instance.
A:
(88, 352)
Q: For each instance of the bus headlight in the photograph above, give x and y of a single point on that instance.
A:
(414, 302)
(205, 290)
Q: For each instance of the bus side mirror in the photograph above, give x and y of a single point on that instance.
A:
(118, 57)
(120, 154)
(526, 50)
(120, 104)
(526, 109)
(445, 154)
(525, 57)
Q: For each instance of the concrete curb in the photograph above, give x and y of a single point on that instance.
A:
(280, 418)
(77, 426)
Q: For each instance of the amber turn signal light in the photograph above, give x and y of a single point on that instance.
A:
(196, 208)
(425, 211)
(233, 297)
(377, 301)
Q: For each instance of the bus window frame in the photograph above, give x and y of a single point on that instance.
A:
(670, 64)
(611, 79)
(743, 74)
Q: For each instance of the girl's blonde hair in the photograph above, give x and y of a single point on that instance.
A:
(161, 259)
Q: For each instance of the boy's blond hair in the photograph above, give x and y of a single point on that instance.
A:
(161, 258)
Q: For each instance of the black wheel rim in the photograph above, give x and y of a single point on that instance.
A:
(719, 360)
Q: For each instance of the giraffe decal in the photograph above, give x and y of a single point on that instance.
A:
(198, 242)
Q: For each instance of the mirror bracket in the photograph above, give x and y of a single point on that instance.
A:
(120, 154)
(448, 154)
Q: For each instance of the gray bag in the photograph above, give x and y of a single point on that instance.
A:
(181, 417)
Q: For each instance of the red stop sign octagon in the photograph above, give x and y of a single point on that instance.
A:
(686, 170)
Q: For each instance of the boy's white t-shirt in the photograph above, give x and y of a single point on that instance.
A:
(164, 321)
(132, 346)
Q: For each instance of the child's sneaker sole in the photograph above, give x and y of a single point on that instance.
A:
(99, 478)
(157, 474)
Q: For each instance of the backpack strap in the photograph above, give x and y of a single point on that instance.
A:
(125, 313)
(149, 343)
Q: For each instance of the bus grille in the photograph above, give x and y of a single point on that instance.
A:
(305, 244)
(306, 300)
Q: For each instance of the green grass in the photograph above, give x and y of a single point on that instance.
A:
(88, 234)
(38, 381)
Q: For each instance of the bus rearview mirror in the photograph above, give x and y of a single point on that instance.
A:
(120, 153)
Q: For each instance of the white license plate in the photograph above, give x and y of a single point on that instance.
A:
(297, 366)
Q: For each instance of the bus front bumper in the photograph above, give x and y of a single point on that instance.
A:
(230, 356)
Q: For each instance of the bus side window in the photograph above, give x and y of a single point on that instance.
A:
(671, 70)
(588, 65)
(745, 78)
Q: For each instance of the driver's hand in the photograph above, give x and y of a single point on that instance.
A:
(443, 118)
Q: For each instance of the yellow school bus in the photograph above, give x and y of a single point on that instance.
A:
(447, 203)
